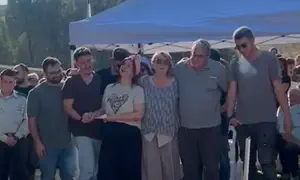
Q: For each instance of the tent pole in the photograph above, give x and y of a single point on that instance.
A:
(88, 15)
(89, 9)
(140, 48)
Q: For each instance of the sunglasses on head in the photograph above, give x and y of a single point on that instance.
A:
(162, 61)
(242, 46)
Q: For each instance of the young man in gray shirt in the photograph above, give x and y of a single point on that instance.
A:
(254, 88)
(201, 82)
(48, 124)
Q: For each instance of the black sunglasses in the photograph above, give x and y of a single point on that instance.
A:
(242, 46)
(162, 61)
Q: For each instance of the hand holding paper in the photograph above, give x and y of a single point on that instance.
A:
(104, 116)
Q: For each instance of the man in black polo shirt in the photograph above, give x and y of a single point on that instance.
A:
(81, 97)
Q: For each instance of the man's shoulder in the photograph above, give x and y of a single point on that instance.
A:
(138, 88)
(266, 56)
(20, 96)
(36, 89)
(103, 72)
(216, 65)
(71, 79)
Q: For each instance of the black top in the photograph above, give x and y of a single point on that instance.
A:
(86, 99)
(24, 90)
(106, 78)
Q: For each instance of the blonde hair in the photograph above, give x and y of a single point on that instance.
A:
(163, 55)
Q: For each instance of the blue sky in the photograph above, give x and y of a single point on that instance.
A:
(3, 2)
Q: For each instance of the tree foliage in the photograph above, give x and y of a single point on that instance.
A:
(31, 30)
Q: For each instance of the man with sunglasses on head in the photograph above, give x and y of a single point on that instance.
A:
(201, 82)
(255, 84)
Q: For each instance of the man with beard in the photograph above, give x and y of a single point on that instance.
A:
(48, 124)
(23, 86)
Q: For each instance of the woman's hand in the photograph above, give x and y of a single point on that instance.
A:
(87, 117)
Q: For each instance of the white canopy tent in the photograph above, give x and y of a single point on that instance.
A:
(172, 25)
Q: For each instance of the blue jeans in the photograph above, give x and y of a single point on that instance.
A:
(88, 155)
(61, 158)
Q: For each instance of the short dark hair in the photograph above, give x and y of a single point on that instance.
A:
(49, 61)
(290, 61)
(23, 66)
(273, 49)
(8, 72)
(242, 32)
(119, 54)
(81, 51)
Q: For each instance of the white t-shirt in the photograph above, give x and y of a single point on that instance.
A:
(120, 99)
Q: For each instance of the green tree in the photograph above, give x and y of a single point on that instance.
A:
(6, 56)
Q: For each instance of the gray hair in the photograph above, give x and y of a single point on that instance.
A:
(203, 44)
(241, 32)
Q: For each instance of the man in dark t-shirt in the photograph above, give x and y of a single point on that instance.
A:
(23, 86)
(109, 75)
(81, 101)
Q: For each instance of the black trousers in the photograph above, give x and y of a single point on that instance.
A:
(200, 149)
(263, 140)
(121, 153)
(13, 161)
(288, 155)
(32, 161)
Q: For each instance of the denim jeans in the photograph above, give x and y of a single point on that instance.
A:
(224, 166)
(61, 158)
(88, 155)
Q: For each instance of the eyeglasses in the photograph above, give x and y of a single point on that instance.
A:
(54, 72)
(242, 46)
(162, 62)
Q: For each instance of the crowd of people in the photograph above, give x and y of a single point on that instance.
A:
(139, 119)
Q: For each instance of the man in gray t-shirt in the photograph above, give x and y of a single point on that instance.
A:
(48, 124)
(200, 84)
(254, 88)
